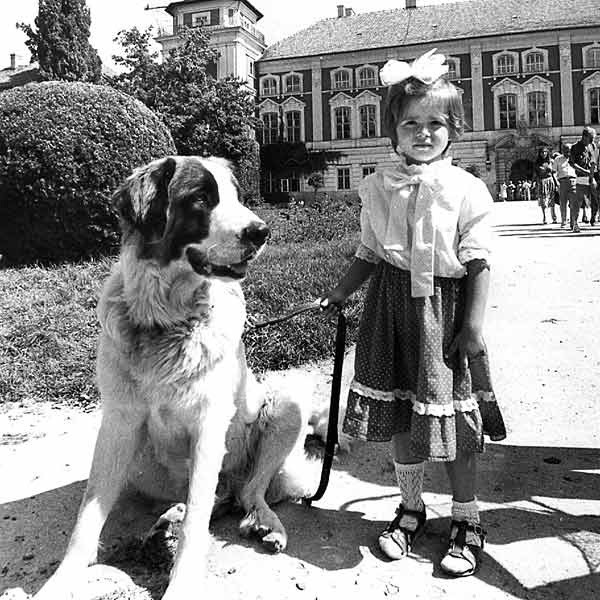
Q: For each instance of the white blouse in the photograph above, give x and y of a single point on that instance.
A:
(427, 219)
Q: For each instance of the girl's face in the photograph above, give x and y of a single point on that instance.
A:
(422, 131)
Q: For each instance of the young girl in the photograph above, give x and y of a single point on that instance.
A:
(545, 183)
(421, 372)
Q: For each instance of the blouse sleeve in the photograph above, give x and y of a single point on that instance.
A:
(368, 241)
(474, 224)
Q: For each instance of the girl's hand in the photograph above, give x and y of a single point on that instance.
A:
(467, 344)
(333, 301)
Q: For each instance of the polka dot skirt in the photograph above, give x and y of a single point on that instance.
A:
(402, 383)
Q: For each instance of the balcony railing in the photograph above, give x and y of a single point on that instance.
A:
(165, 31)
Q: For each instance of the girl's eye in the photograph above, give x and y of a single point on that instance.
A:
(198, 202)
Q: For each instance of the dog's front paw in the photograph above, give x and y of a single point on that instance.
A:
(267, 527)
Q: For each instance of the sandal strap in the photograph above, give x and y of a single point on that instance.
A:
(418, 515)
(463, 533)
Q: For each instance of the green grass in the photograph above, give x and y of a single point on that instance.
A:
(48, 325)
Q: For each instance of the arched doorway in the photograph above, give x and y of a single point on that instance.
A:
(521, 170)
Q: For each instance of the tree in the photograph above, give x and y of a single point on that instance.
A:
(315, 180)
(205, 115)
(61, 43)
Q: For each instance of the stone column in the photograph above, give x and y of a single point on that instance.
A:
(477, 88)
(566, 81)
(317, 100)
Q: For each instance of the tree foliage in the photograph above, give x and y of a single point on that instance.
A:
(61, 42)
(205, 115)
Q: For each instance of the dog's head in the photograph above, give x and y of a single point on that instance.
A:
(188, 208)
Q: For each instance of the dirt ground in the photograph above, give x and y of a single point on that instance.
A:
(539, 489)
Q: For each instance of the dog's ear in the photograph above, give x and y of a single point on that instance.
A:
(143, 199)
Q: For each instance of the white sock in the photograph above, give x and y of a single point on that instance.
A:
(410, 481)
(465, 511)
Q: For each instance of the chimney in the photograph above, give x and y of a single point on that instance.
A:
(411, 4)
(13, 61)
(340, 10)
(349, 12)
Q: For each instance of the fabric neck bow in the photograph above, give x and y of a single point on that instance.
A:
(422, 250)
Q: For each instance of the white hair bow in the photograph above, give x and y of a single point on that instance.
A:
(426, 68)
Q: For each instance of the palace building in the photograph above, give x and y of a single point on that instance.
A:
(529, 73)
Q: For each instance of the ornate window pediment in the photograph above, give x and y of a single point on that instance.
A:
(293, 120)
(363, 113)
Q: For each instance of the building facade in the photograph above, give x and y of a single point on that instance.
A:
(233, 31)
(529, 74)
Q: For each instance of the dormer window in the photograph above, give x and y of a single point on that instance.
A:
(593, 58)
(367, 77)
(268, 86)
(506, 64)
(293, 84)
(534, 63)
(341, 79)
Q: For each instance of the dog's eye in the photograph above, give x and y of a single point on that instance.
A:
(198, 202)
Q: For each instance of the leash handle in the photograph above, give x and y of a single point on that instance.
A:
(334, 409)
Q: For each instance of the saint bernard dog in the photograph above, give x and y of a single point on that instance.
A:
(183, 418)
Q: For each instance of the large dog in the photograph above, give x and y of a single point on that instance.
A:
(181, 410)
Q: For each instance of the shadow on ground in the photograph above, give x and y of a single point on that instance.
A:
(536, 493)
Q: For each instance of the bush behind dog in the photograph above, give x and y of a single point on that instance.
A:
(48, 327)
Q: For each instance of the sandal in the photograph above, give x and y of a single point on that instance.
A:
(398, 538)
(463, 556)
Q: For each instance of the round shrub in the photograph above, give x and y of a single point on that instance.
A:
(64, 149)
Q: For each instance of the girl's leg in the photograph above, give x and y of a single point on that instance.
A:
(397, 539)
(466, 536)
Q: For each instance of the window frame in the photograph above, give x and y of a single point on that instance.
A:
(344, 178)
(594, 106)
(296, 128)
(292, 89)
(537, 122)
(264, 80)
(337, 112)
(508, 110)
(269, 128)
(347, 73)
(361, 81)
(370, 120)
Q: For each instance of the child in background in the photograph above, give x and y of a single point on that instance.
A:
(421, 370)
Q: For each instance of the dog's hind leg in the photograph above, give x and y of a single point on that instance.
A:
(281, 428)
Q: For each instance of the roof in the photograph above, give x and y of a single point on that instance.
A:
(171, 6)
(10, 78)
(433, 23)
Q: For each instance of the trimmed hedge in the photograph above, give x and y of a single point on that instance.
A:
(64, 149)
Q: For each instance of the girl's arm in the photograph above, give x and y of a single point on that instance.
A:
(469, 341)
(359, 271)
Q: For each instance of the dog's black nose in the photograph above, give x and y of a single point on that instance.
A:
(256, 233)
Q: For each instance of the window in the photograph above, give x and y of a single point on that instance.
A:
(506, 64)
(292, 84)
(595, 106)
(341, 80)
(452, 72)
(292, 126)
(368, 126)
(250, 66)
(367, 78)
(536, 109)
(269, 182)
(534, 63)
(343, 178)
(342, 123)
(202, 18)
(269, 128)
(593, 58)
(269, 86)
(507, 105)
(367, 170)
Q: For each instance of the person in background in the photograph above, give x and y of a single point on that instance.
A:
(583, 159)
(510, 191)
(502, 193)
(567, 180)
(421, 368)
(526, 190)
(545, 183)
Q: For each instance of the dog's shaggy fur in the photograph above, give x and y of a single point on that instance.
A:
(183, 417)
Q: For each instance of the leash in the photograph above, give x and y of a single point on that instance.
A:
(336, 385)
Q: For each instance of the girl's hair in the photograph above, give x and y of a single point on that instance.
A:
(440, 91)
(539, 160)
